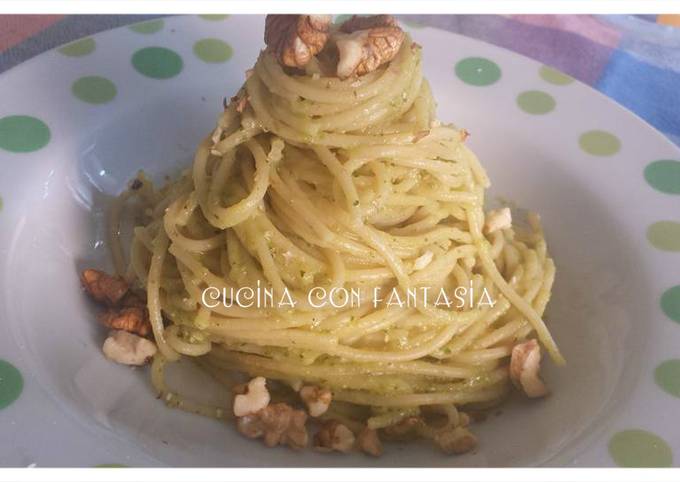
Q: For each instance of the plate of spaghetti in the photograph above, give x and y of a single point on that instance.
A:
(311, 241)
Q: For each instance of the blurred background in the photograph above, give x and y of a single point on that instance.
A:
(634, 59)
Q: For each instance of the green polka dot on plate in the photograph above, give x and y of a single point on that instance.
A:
(665, 235)
(639, 448)
(11, 383)
(213, 50)
(535, 102)
(157, 62)
(23, 133)
(148, 27)
(214, 18)
(664, 176)
(670, 303)
(94, 89)
(599, 143)
(478, 71)
(78, 48)
(554, 76)
(667, 376)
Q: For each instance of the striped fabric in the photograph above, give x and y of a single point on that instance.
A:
(635, 60)
(15, 29)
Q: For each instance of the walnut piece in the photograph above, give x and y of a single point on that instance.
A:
(334, 436)
(316, 399)
(498, 219)
(102, 287)
(405, 428)
(525, 364)
(133, 319)
(368, 442)
(456, 441)
(357, 22)
(128, 349)
(295, 39)
(126, 310)
(255, 398)
(277, 423)
(365, 43)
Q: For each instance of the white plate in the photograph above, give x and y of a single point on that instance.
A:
(609, 312)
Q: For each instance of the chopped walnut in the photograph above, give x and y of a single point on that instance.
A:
(404, 428)
(317, 399)
(368, 442)
(133, 319)
(255, 398)
(296, 435)
(295, 39)
(365, 43)
(128, 349)
(334, 436)
(456, 441)
(498, 219)
(127, 311)
(525, 364)
(277, 423)
(102, 287)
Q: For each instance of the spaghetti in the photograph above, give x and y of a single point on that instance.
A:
(313, 181)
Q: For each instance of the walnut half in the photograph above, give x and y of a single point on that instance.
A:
(295, 39)
(366, 43)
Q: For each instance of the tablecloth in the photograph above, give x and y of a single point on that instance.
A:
(634, 59)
